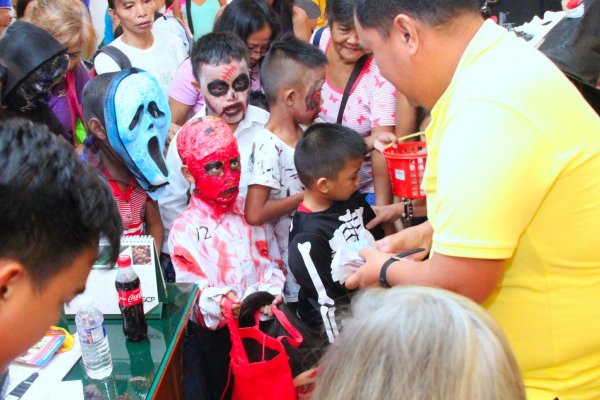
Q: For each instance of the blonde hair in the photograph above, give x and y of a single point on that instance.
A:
(416, 343)
(68, 21)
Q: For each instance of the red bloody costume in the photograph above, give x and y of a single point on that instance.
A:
(211, 243)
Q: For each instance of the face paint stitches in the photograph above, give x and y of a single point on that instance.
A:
(226, 90)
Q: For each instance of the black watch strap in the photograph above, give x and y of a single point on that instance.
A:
(382, 274)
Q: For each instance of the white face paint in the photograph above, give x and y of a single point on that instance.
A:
(226, 89)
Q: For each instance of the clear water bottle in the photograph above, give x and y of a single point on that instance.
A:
(94, 343)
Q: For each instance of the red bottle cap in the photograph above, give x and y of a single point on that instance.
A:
(124, 261)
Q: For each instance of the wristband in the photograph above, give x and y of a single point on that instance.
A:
(398, 257)
(382, 274)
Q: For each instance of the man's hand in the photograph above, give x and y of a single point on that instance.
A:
(368, 273)
(235, 307)
(409, 238)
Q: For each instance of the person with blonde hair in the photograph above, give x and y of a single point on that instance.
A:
(69, 22)
(418, 343)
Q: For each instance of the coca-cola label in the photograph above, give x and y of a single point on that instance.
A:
(130, 297)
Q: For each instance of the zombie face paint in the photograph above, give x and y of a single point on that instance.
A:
(226, 89)
(137, 122)
(310, 107)
(36, 88)
(209, 150)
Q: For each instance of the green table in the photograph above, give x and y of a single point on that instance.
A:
(149, 369)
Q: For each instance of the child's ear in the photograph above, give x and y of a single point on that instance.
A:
(96, 128)
(196, 85)
(322, 185)
(10, 272)
(290, 96)
(187, 174)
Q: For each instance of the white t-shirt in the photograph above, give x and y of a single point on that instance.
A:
(160, 60)
(272, 165)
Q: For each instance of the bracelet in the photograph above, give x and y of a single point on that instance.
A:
(382, 274)
(408, 210)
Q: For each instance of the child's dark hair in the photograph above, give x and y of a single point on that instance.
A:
(280, 65)
(324, 150)
(245, 17)
(215, 49)
(52, 206)
(301, 358)
(94, 96)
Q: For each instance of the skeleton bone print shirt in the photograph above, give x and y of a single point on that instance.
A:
(314, 239)
(221, 255)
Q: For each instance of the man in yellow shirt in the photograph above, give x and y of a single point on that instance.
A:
(512, 182)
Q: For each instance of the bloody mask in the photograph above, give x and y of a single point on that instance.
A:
(209, 150)
(137, 119)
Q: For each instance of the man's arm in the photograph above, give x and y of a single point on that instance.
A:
(154, 225)
(471, 277)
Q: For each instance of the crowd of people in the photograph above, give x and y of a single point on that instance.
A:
(247, 137)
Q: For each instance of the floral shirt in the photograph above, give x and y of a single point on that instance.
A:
(223, 254)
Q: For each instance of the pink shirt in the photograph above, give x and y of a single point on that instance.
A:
(372, 103)
(223, 254)
(183, 91)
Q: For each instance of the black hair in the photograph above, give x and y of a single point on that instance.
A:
(20, 8)
(258, 99)
(280, 64)
(379, 14)
(94, 95)
(301, 358)
(323, 151)
(52, 206)
(217, 48)
(340, 11)
(284, 10)
(111, 4)
(244, 17)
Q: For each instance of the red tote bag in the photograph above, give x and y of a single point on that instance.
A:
(270, 377)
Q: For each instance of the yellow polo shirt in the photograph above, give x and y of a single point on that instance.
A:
(514, 173)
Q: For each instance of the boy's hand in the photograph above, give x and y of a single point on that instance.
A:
(389, 213)
(266, 310)
(235, 308)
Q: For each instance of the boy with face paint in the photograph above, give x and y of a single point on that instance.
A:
(32, 62)
(128, 117)
(292, 74)
(213, 246)
(220, 65)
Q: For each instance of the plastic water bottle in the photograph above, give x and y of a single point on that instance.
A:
(94, 343)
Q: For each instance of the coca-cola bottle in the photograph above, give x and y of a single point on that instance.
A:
(131, 302)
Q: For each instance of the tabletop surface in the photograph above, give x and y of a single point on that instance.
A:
(137, 366)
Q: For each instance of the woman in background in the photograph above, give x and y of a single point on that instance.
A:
(69, 22)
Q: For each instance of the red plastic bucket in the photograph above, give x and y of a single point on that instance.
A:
(406, 166)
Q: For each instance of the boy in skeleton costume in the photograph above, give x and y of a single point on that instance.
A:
(128, 117)
(332, 214)
(212, 245)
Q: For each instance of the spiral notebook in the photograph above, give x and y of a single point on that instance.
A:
(101, 281)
